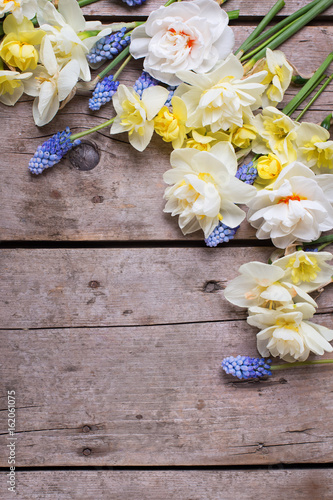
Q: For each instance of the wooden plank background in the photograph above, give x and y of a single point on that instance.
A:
(114, 325)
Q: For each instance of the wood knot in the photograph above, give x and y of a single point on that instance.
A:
(86, 428)
(86, 452)
(85, 156)
(98, 199)
(94, 284)
(211, 286)
(139, 417)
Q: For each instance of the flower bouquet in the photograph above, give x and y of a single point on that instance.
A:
(232, 145)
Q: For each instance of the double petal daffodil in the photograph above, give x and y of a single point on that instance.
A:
(135, 115)
(19, 8)
(204, 190)
(298, 207)
(279, 73)
(276, 134)
(49, 84)
(17, 49)
(314, 147)
(220, 98)
(287, 333)
(64, 27)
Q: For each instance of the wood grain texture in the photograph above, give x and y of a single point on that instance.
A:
(122, 198)
(175, 485)
(157, 396)
(123, 286)
(120, 9)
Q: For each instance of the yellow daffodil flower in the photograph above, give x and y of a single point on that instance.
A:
(204, 140)
(279, 73)
(268, 167)
(135, 115)
(276, 133)
(11, 86)
(170, 125)
(17, 49)
(314, 148)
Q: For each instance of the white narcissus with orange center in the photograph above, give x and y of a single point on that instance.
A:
(298, 207)
(183, 36)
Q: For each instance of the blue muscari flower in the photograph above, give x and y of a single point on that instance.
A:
(171, 90)
(51, 151)
(247, 173)
(221, 234)
(103, 92)
(108, 47)
(246, 368)
(143, 82)
(131, 3)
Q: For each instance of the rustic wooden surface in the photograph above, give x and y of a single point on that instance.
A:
(114, 324)
(185, 485)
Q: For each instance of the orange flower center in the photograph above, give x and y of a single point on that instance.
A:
(294, 197)
(190, 41)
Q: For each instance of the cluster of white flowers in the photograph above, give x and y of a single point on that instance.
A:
(278, 303)
(52, 57)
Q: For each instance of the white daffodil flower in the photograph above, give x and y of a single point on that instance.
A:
(314, 147)
(204, 190)
(135, 115)
(261, 285)
(287, 333)
(50, 85)
(276, 134)
(183, 36)
(19, 8)
(308, 270)
(12, 86)
(279, 73)
(63, 27)
(222, 97)
(298, 207)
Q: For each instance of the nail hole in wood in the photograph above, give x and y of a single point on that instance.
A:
(86, 451)
(85, 156)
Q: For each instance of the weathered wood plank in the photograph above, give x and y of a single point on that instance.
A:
(119, 8)
(176, 484)
(157, 396)
(122, 198)
(134, 286)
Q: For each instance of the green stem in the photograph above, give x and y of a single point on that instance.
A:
(91, 130)
(114, 62)
(279, 26)
(233, 14)
(263, 45)
(83, 3)
(317, 94)
(286, 366)
(293, 28)
(300, 96)
(262, 25)
(306, 95)
(328, 238)
(119, 70)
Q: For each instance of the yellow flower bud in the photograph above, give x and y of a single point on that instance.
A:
(242, 137)
(166, 125)
(18, 54)
(269, 167)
